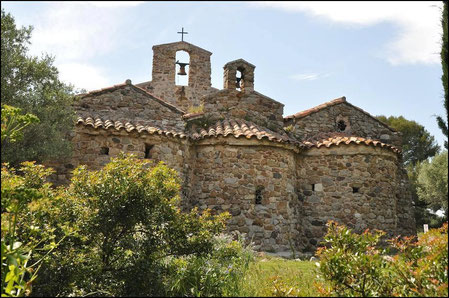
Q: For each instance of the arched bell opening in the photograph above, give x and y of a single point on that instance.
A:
(182, 68)
(240, 78)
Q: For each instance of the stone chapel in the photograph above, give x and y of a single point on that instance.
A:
(280, 177)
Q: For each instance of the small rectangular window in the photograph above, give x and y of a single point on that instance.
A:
(148, 148)
(104, 151)
(355, 190)
(259, 194)
(313, 187)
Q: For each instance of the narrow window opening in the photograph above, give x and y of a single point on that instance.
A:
(104, 151)
(355, 190)
(259, 195)
(182, 68)
(148, 148)
(239, 77)
(313, 187)
(341, 125)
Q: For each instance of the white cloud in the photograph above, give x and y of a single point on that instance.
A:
(419, 38)
(75, 31)
(308, 76)
(83, 76)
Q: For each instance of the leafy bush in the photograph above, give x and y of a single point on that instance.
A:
(24, 244)
(353, 265)
(218, 273)
(128, 236)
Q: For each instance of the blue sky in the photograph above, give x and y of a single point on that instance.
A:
(383, 56)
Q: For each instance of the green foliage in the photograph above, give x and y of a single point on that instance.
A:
(421, 267)
(32, 84)
(13, 123)
(195, 109)
(218, 273)
(23, 243)
(432, 181)
(113, 232)
(442, 123)
(417, 143)
(289, 128)
(129, 234)
(353, 265)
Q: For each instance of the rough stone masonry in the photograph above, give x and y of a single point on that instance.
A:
(281, 178)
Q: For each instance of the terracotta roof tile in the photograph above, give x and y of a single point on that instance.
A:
(128, 127)
(239, 128)
(329, 139)
(317, 108)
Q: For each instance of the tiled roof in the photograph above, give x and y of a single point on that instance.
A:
(240, 128)
(236, 128)
(128, 127)
(336, 139)
(139, 89)
(317, 108)
(332, 103)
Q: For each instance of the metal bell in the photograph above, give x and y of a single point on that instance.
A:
(182, 69)
(237, 82)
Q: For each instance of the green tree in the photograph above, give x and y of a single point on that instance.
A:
(417, 143)
(442, 123)
(13, 123)
(129, 232)
(32, 84)
(432, 182)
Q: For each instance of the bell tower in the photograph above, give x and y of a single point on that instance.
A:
(166, 68)
(239, 74)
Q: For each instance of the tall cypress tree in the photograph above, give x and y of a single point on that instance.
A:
(443, 123)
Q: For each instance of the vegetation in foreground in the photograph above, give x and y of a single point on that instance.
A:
(359, 265)
(113, 232)
(279, 277)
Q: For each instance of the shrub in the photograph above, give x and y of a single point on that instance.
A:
(218, 273)
(126, 226)
(353, 265)
(24, 242)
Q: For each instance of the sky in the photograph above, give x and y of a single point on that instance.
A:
(383, 56)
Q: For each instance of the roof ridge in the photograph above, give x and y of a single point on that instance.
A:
(336, 101)
(162, 101)
(317, 108)
(128, 83)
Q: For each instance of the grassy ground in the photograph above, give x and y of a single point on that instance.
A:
(273, 276)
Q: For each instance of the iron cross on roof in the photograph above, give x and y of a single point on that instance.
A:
(182, 32)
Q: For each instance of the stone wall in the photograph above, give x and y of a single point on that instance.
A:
(89, 148)
(352, 184)
(230, 173)
(128, 103)
(250, 106)
(357, 122)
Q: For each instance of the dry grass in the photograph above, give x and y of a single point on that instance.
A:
(273, 276)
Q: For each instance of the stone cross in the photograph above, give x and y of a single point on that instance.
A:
(182, 34)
